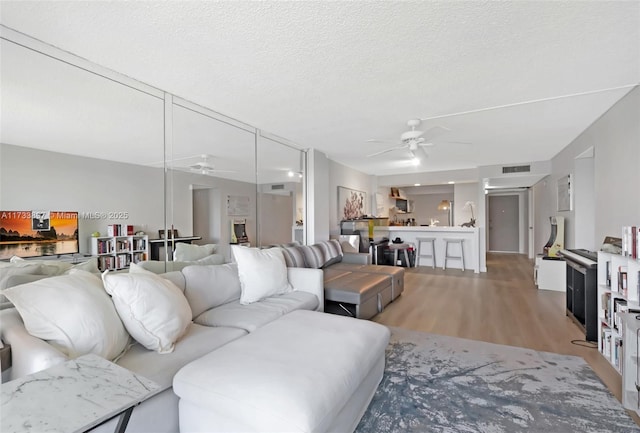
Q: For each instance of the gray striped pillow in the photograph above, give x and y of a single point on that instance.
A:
(293, 257)
(313, 256)
(332, 252)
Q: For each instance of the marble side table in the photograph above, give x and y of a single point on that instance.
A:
(73, 397)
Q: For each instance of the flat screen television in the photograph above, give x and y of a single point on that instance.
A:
(38, 233)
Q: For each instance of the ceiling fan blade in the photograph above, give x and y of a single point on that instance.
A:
(373, 140)
(456, 142)
(386, 151)
(434, 132)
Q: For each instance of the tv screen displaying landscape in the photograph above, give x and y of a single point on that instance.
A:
(37, 233)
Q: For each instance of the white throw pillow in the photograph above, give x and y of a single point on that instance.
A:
(53, 267)
(73, 313)
(188, 253)
(90, 265)
(9, 271)
(153, 309)
(262, 273)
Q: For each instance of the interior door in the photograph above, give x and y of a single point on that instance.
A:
(504, 218)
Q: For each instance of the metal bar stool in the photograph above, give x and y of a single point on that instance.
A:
(447, 255)
(400, 247)
(420, 255)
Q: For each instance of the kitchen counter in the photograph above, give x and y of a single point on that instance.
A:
(408, 234)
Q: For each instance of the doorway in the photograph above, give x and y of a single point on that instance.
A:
(207, 214)
(504, 223)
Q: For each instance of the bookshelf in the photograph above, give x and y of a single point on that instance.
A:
(618, 306)
(118, 252)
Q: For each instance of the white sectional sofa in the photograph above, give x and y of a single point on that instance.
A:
(213, 293)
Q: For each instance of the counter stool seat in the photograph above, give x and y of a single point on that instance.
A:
(448, 255)
(400, 247)
(421, 255)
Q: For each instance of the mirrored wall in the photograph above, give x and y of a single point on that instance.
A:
(78, 138)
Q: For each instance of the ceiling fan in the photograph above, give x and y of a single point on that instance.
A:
(206, 167)
(413, 140)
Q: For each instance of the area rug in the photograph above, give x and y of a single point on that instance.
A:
(442, 384)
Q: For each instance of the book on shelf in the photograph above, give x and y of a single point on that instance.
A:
(618, 353)
(606, 343)
(622, 280)
(619, 306)
(630, 241)
(119, 230)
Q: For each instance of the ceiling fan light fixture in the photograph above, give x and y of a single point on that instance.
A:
(415, 161)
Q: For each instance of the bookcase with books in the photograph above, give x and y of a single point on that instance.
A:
(118, 252)
(619, 313)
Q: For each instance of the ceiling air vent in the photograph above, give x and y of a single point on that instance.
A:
(275, 187)
(516, 169)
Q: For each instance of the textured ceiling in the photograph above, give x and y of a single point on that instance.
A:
(330, 75)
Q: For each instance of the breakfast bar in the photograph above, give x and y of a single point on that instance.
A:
(409, 234)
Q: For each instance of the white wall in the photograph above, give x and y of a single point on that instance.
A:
(463, 193)
(584, 204)
(317, 197)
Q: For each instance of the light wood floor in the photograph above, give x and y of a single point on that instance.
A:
(500, 306)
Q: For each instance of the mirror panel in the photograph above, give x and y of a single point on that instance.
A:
(77, 137)
(73, 140)
(210, 176)
(281, 178)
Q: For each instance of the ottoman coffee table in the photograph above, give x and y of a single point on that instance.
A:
(304, 372)
(361, 295)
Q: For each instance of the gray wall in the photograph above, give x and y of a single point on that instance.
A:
(36, 179)
(615, 138)
(340, 175)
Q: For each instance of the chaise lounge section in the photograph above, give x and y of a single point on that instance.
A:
(277, 328)
(352, 285)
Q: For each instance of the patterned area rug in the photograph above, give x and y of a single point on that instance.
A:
(442, 384)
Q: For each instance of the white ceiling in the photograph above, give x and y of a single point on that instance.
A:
(330, 75)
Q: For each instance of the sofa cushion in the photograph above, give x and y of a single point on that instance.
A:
(188, 253)
(153, 309)
(293, 257)
(207, 287)
(253, 316)
(159, 267)
(197, 341)
(262, 273)
(332, 252)
(305, 379)
(55, 267)
(7, 272)
(73, 313)
(313, 256)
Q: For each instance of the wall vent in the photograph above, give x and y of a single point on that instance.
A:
(516, 169)
(276, 187)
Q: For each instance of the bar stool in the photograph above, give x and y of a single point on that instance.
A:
(400, 247)
(431, 256)
(448, 241)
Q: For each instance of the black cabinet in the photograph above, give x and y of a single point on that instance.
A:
(582, 298)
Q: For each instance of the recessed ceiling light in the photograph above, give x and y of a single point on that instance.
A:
(291, 173)
(415, 161)
(451, 182)
(416, 184)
